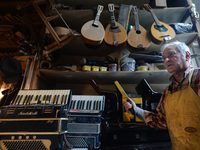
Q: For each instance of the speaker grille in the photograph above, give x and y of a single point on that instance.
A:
(77, 142)
(23, 145)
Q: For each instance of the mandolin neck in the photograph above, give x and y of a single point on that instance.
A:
(137, 24)
(155, 18)
(113, 26)
(96, 20)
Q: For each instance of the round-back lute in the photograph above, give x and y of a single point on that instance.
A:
(92, 32)
(160, 32)
(115, 34)
(138, 38)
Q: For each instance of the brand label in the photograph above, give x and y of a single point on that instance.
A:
(71, 118)
(28, 113)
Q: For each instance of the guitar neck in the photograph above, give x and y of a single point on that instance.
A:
(96, 20)
(114, 26)
(155, 18)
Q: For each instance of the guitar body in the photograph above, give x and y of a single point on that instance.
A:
(112, 35)
(138, 41)
(92, 35)
(158, 35)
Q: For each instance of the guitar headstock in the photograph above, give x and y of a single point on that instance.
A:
(134, 9)
(147, 7)
(100, 8)
(111, 7)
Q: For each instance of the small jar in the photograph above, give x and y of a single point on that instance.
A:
(112, 67)
(128, 64)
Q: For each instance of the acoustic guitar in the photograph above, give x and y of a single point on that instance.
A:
(115, 34)
(160, 32)
(138, 37)
(92, 32)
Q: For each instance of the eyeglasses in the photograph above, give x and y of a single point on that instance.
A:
(170, 54)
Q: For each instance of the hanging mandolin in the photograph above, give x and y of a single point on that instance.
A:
(138, 38)
(160, 32)
(115, 34)
(92, 32)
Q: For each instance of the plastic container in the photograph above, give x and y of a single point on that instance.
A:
(112, 67)
(127, 64)
(142, 68)
(102, 68)
(86, 68)
(95, 68)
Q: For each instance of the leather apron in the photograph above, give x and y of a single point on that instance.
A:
(183, 118)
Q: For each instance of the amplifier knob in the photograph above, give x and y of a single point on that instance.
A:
(34, 137)
(20, 137)
(12, 137)
(27, 137)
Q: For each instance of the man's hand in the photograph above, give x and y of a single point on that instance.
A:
(128, 106)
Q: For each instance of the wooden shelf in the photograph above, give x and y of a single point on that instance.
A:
(129, 77)
(77, 47)
(88, 4)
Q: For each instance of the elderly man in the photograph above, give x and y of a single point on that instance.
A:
(179, 106)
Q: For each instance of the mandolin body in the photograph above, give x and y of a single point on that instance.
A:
(158, 33)
(92, 35)
(138, 41)
(118, 35)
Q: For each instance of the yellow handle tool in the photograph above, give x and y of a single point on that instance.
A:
(126, 116)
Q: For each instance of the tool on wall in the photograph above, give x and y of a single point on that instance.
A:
(124, 15)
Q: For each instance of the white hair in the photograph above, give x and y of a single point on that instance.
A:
(180, 47)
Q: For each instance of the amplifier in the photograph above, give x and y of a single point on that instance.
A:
(58, 125)
(26, 141)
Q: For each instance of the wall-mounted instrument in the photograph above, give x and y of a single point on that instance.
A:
(92, 32)
(115, 34)
(160, 32)
(138, 37)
